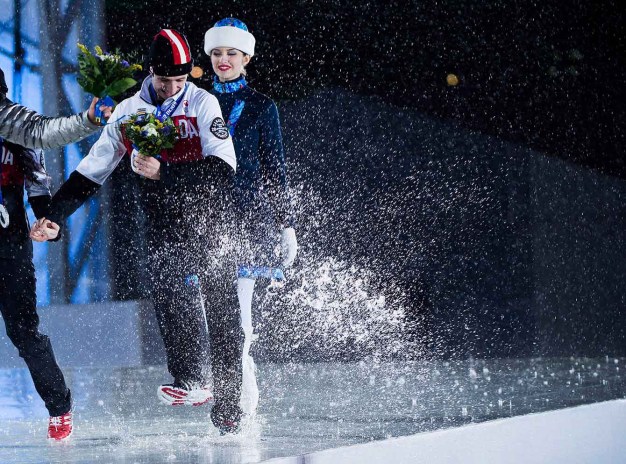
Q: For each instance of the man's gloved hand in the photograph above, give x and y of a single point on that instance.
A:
(289, 246)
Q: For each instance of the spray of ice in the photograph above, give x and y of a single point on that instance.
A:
(332, 307)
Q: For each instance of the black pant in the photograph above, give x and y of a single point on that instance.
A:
(194, 291)
(18, 304)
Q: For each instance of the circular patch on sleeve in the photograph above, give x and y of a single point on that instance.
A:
(219, 129)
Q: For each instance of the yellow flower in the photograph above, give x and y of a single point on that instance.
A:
(98, 50)
(83, 49)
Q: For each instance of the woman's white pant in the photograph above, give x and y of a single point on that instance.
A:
(249, 387)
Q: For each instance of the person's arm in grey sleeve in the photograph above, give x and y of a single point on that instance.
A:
(91, 172)
(30, 129)
(33, 164)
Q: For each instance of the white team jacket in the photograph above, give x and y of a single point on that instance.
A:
(198, 117)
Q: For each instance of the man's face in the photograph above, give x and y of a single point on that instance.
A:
(168, 86)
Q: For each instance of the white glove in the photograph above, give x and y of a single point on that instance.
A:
(289, 246)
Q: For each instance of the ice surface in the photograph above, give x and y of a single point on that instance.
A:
(585, 434)
(304, 408)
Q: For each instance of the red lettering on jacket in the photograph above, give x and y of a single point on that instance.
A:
(11, 172)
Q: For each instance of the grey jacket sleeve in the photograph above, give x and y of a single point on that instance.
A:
(30, 129)
(36, 179)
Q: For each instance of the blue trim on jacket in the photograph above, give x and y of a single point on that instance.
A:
(260, 180)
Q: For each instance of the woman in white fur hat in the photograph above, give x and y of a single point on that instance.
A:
(260, 181)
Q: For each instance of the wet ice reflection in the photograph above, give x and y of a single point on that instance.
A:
(304, 407)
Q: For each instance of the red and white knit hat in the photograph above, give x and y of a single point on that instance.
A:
(169, 54)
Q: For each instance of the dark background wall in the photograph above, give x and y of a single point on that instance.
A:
(500, 250)
(491, 213)
(546, 74)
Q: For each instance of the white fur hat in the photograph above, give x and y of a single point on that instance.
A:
(231, 33)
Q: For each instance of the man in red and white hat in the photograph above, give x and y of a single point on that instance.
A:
(188, 206)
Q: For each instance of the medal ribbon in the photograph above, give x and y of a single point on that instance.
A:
(160, 113)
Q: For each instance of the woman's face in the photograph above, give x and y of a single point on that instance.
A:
(228, 63)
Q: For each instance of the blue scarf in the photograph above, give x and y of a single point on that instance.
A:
(230, 87)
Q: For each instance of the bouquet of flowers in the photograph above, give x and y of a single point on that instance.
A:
(104, 75)
(149, 134)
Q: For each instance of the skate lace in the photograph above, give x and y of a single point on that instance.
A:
(56, 421)
(189, 386)
(59, 421)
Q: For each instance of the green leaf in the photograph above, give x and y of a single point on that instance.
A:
(120, 86)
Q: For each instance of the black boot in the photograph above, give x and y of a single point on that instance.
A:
(227, 418)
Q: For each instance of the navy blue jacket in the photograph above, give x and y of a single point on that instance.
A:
(260, 180)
